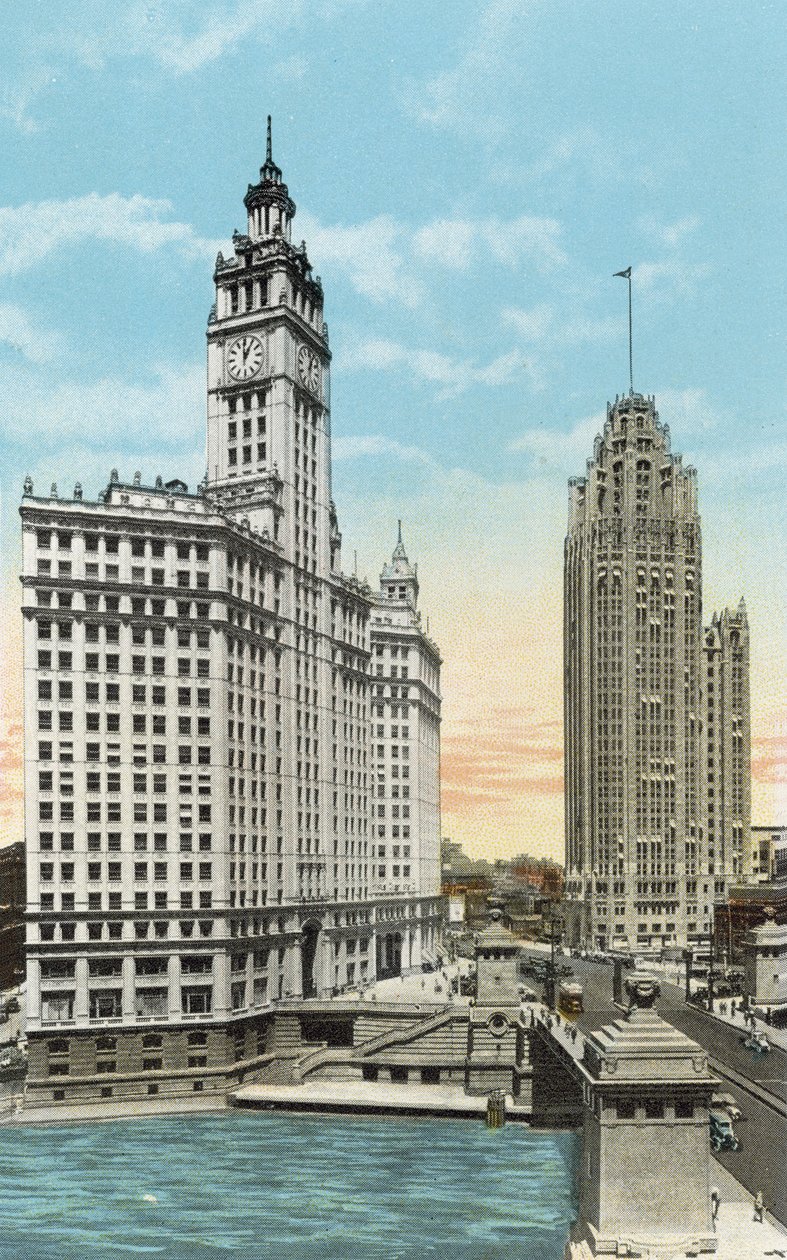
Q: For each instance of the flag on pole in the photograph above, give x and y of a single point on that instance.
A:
(625, 274)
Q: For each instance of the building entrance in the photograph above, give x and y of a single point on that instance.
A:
(309, 936)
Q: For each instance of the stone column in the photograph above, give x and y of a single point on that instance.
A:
(129, 996)
(645, 1188)
(33, 1014)
(80, 991)
(173, 984)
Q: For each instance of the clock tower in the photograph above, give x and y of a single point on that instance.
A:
(268, 396)
(244, 868)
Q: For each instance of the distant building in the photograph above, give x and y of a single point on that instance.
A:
(656, 708)
(769, 853)
(454, 862)
(746, 907)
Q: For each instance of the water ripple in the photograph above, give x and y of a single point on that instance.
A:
(285, 1187)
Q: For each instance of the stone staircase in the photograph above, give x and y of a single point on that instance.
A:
(391, 1039)
(279, 1071)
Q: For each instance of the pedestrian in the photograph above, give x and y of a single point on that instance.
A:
(759, 1207)
(723, 1008)
(715, 1200)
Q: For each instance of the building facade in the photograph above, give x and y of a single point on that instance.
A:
(769, 853)
(198, 709)
(405, 751)
(656, 708)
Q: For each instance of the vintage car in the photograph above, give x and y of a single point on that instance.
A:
(758, 1042)
(722, 1134)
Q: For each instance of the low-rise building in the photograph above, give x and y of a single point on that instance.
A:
(769, 853)
(747, 906)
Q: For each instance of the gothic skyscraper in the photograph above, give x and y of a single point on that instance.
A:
(198, 726)
(656, 710)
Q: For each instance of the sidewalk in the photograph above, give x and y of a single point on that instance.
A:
(739, 1236)
(430, 988)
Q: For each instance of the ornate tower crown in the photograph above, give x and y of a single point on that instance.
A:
(269, 205)
(399, 579)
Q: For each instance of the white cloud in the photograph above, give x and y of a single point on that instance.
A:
(363, 446)
(292, 69)
(542, 323)
(455, 242)
(667, 279)
(532, 325)
(19, 93)
(384, 259)
(687, 411)
(169, 409)
(33, 343)
(583, 328)
(563, 450)
(31, 232)
(177, 38)
(670, 234)
(184, 38)
(370, 254)
(455, 376)
(467, 96)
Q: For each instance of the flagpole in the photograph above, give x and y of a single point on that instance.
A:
(631, 341)
(626, 275)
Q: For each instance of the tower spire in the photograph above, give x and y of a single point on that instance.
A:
(399, 551)
(268, 203)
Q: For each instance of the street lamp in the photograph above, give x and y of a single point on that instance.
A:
(555, 934)
(688, 958)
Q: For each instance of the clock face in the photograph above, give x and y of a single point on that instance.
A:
(245, 357)
(309, 368)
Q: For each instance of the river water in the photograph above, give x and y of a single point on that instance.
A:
(252, 1186)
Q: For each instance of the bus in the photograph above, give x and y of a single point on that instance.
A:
(569, 999)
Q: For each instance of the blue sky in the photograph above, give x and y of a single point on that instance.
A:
(468, 177)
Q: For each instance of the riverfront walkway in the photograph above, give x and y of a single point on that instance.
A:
(366, 1097)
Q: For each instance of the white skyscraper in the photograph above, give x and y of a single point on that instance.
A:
(198, 734)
